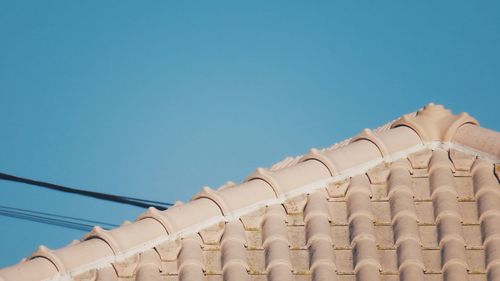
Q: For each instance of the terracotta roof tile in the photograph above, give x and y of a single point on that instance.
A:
(417, 199)
(362, 231)
(318, 237)
(190, 260)
(233, 252)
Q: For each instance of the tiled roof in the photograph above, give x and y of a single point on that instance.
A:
(416, 200)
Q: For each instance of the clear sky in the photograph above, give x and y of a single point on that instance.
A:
(156, 100)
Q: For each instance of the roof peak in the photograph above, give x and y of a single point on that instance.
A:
(434, 122)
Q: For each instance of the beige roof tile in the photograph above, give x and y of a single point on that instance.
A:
(416, 199)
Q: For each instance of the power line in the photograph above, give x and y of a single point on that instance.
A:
(49, 215)
(29, 215)
(144, 203)
(76, 226)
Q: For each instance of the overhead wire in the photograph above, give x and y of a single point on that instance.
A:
(51, 219)
(143, 203)
(50, 215)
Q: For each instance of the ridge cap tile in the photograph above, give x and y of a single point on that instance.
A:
(435, 123)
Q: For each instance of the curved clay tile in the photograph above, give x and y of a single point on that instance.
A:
(360, 216)
(233, 252)
(190, 260)
(404, 223)
(276, 245)
(448, 218)
(149, 267)
(318, 238)
(316, 155)
(368, 135)
(479, 139)
(487, 193)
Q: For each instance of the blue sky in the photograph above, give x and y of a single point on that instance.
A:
(156, 100)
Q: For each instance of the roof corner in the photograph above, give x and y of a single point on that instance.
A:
(435, 123)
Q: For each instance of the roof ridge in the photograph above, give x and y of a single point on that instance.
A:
(292, 160)
(428, 128)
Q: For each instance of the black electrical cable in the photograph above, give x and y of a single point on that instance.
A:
(144, 203)
(49, 215)
(47, 220)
